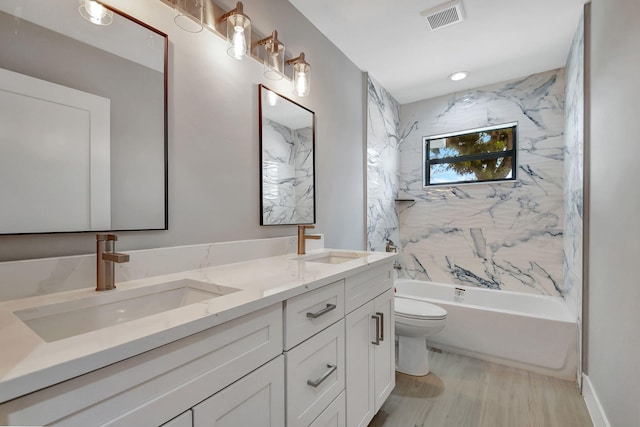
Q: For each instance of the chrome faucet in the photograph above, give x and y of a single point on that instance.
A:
(106, 257)
(302, 238)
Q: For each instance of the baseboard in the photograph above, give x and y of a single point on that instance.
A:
(598, 417)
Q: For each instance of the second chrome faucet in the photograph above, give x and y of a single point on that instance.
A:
(302, 238)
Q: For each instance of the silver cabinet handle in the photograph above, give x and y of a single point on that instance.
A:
(325, 310)
(381, 324)
(376, 317)
(317, 382)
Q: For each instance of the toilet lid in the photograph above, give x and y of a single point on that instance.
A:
(405, 307)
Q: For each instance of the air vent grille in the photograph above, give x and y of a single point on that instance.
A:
(444, 15)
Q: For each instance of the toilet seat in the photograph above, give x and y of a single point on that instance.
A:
(419, 310)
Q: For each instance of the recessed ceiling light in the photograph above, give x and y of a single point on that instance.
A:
(459, 75)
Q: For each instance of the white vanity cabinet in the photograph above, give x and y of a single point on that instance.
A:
(321, 358)
(153, 387)
(370, 349)
(315, 356)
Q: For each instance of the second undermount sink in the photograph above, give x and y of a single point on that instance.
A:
(333, 257)
(57, 321)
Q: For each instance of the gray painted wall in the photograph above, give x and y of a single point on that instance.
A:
(214, 168)
(614, 248)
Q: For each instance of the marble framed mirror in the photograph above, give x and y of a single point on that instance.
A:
(83, 113)
(287, 160)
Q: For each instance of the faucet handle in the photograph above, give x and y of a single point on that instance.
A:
(307, 226)
(115, 257)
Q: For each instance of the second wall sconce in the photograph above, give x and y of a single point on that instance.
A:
(301, 75)
(238, 32)
(273, 56)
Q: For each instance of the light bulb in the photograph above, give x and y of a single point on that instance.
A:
(95, 9)
(301, 84)
(238, 43)
(272, 98)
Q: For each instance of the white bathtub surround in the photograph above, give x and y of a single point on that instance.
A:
(383, 140)
(29, 363)
(21, 279)
(498, 236)
(532, 332)
(288, 174)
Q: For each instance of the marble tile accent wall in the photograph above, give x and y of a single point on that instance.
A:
(383, 119)
(21, 279)
(495, 235)
(288, 174)
(573, 172)
(574, 182)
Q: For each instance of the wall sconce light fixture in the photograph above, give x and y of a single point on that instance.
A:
(189, 15)
(301, 75)
(95, 12)
(273, 56)
(238, 32)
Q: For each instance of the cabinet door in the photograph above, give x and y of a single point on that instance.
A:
(256, 400)
(385, 352)
(360, 331)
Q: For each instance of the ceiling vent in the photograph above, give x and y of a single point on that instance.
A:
(444, 15)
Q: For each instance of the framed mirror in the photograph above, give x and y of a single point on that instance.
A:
(83, 119)
(287, 142)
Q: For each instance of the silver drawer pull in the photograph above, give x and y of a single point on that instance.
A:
(325, 310)
(316, 383)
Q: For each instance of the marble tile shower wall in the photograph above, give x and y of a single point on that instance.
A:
(499, 236)
(383, 120)
(288, 182)
(573, 172)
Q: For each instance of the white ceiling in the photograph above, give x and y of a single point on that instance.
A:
(499, 40)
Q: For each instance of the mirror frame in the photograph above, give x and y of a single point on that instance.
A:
(313, 149)
(165, 116)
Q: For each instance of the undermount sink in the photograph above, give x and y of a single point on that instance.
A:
(333, 257)
(54, 322)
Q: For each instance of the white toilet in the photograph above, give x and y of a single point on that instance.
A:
(414, 321)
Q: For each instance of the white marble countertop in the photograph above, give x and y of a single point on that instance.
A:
(28, 363)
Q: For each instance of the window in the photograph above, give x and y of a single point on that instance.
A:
(477, 155)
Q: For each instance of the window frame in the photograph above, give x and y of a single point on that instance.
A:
(427, 163)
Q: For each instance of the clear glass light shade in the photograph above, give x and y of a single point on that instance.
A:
(189, 15)
(95, 12)
(238, 35)
(301, 79)
(274, 60)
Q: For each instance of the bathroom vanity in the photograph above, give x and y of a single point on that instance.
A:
(282, 341)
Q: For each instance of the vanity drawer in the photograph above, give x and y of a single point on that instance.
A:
(315, 375)
(334, 415)
(311, 312)
(364, 287)
(153, 387)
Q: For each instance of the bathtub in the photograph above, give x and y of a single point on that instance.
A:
(532, 332)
